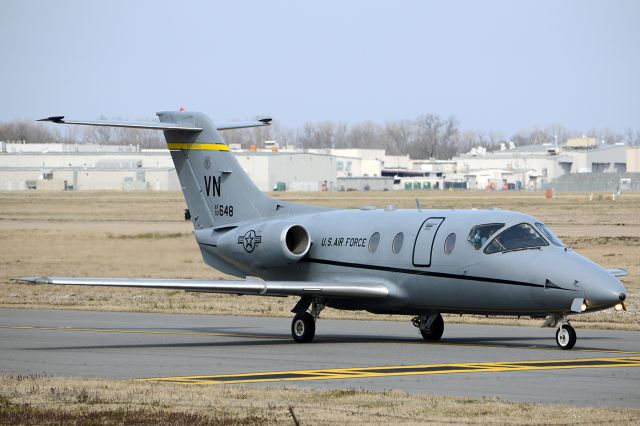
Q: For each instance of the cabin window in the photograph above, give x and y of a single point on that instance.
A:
(397, 243)
(549, 234)
(517, 237)
(374, 240)
(480, 234)
(449, 243)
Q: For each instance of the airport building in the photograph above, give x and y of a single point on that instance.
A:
(356, 162)
(111, 167)
(533, 167)
(633, 159)
(95, 167)
(290, 171)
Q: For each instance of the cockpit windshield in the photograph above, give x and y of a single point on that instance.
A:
(518, 237)
(549, 234)
(479, 234)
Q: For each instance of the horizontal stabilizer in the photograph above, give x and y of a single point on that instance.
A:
(240, 124)
(130, 124)
(153, 125)
(617, 272)
(250, 286)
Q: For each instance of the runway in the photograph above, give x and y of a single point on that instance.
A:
(513, 363)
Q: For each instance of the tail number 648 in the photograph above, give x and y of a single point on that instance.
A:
(222, 210)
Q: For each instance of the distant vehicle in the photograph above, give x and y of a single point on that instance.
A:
(407, 262)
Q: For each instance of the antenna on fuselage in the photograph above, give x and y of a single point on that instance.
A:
(418, 206)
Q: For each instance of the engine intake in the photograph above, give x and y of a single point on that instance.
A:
(265, 245)
(297, 240)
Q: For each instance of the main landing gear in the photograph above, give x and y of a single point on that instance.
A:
(565, 335)
(431, 326)
(303, 326)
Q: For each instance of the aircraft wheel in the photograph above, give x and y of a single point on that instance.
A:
(434, 333)
(566, 336)
(303, 327)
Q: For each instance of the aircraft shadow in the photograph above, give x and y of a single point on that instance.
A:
(258, 339)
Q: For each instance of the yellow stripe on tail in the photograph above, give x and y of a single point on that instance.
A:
(199, 146)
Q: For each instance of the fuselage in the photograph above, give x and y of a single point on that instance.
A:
(432, 260)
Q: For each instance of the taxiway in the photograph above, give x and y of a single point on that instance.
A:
(514, 363)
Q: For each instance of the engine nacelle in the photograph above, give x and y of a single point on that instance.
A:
(265, 245)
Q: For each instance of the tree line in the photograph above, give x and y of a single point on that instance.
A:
(427, 136)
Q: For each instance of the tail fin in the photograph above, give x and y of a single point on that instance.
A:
(217, 190)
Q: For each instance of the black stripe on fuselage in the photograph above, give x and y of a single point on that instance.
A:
(424, 273)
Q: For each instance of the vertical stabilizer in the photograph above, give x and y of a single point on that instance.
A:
(217, 190)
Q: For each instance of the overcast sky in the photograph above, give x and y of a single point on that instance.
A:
(495, 65)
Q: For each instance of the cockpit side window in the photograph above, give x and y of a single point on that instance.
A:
(521, 236)
(479, 234)
(549, 234)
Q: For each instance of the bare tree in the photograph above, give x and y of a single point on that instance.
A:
(365, 135)
(436, 138)
(27, 131)
(399, 136)
(325, 134)
(632, 138)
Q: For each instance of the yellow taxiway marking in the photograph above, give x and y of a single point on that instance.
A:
(286, 337)
(402, 370)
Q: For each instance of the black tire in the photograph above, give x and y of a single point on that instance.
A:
(566, 337)
(434, 333)
(303, 328)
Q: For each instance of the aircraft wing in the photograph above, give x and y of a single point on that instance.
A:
(617, 272)
(250, 286)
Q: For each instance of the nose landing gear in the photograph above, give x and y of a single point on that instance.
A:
(565, 335)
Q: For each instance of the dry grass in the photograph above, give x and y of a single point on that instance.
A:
(142, 235)
(54, 400)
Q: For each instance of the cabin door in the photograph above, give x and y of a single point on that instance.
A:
(423, 247)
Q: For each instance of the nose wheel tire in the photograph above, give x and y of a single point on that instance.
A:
(566, 336)
(433, 333)
(303, 327)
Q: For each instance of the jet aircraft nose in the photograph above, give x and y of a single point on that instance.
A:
(603, 290)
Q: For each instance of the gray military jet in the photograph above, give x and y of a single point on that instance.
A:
(407, 262)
